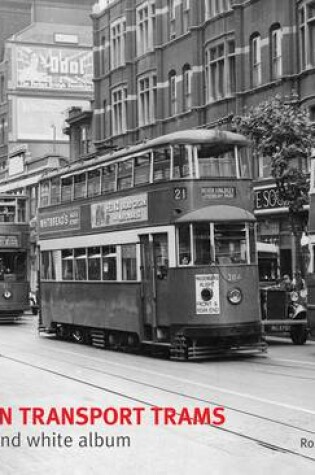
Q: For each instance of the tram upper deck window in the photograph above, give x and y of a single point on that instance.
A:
(109, 178)
(142, 169)
(124, 177)
(216, 161)
(21, 211)
(161, 164)
(55, 191)
(181, 167)
(66, 188)
(230, 244)
(7, 213)
(94, 182)
(244, 162)
(44, 193)
(80, 188)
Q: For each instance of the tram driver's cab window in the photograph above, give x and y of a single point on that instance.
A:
(216, 161)
(202, 246)
(230, 243)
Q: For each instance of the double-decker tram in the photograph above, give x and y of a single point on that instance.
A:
(154, 246)
(14, 252)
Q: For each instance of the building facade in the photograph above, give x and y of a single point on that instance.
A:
(165, 65)
(47, 68)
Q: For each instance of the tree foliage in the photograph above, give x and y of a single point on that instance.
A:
(280, 129)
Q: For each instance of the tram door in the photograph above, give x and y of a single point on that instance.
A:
(154, 263)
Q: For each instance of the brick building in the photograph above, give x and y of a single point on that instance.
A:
(165, 65)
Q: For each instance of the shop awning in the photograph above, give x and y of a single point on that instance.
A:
(217, 213)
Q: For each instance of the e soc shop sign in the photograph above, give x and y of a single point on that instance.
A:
(65, 220)
(132, 209)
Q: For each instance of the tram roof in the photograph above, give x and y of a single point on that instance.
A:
(217, 213)
(186, 137)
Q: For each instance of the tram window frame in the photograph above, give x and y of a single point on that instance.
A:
(44, 195)
(128, 262)
(188, 162)
(66, 189)
(94, 257)
(125, 174)
(47, 265)
(94, 188)
(184, 245)
(161, 155)
(80, 264)
(233, 255)
(243, 162)
(113, 183)
(216, 157)
(161, 254)
(67, 266)
(55, 190)
(203, 255)
(109, 263)
(80, 186)
(147, 157)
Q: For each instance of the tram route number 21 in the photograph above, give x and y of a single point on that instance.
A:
(180, 193)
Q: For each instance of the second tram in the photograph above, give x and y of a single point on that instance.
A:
(154, 246)
(14, 252)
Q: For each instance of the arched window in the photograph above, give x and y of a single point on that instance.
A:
(255, 59)
(276, 51)
(187, 75)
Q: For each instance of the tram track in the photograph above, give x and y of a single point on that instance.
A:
(145, 402)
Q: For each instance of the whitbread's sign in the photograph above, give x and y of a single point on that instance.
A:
(65, 220)
(132, 209)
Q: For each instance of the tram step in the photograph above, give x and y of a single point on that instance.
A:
(98, 339)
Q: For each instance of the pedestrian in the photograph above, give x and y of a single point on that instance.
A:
(286, 283)
(298, 282)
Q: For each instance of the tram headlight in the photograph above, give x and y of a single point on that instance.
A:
(234, 296)
(7, 294)
(206, 294)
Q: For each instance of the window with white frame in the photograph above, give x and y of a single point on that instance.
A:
(187, 75)
(145, 27)
(215, 7)
(220, 70)
(147, 99)
(172, 17)
(307, 34)
(118, 42)
(255, 47)
(264, 166)
(172, 93)
(276, 51)
(185, 14)
(119, 111)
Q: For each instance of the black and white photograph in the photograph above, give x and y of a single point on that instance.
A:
(157, 237)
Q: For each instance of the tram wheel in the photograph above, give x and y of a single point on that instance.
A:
(62, 332)
(298, 335)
